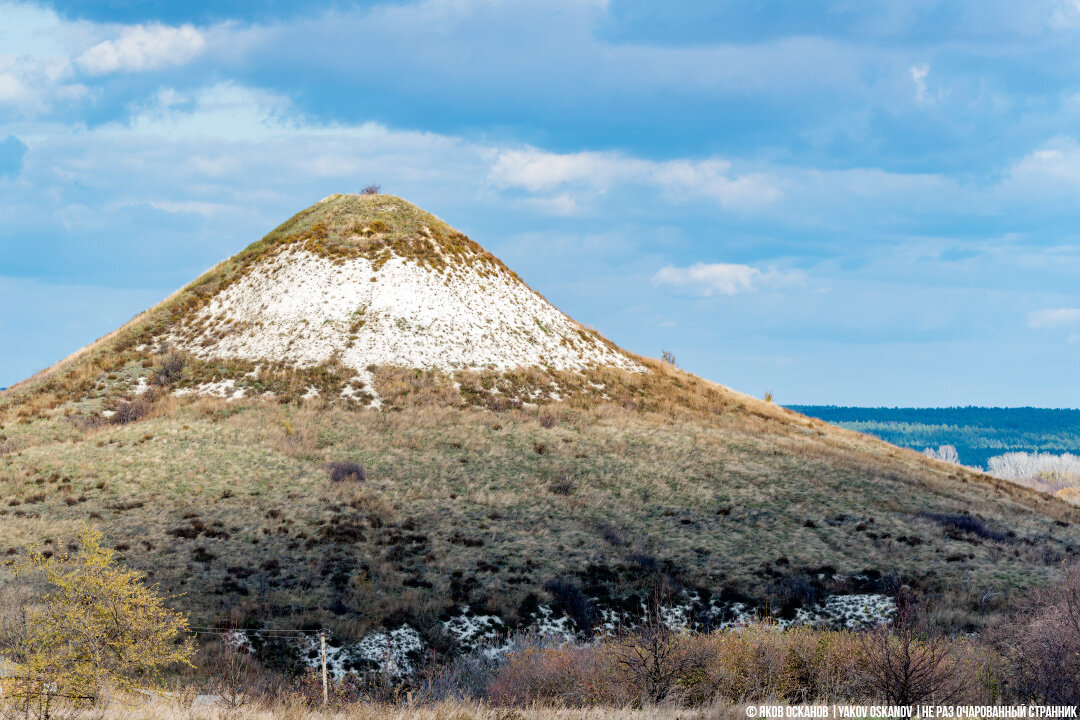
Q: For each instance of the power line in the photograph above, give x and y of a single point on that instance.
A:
(286, 634)
(260, 630)
(270, 637)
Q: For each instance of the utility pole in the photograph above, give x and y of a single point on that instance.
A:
(325, 690)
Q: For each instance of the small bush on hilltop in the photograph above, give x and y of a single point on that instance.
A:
(945, 453)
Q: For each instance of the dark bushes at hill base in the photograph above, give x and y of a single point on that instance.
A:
(1034, 657)
(1042, 644)
(574, 603)
(752, 663)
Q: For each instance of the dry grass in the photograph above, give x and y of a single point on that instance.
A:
(164, 709)
(463, 504)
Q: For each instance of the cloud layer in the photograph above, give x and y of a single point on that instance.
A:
(722, 177)
(708, 279)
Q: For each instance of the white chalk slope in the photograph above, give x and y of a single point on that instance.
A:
(302, 309)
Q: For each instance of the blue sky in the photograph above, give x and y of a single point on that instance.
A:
(841, 202)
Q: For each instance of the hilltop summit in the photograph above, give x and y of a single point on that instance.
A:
(346, 293)
(373, 280)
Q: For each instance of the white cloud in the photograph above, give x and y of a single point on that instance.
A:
(709, 279)
(33, 84)
(711, 179)
(918, 76)
(143, 47)
(537, 171)
(194, 207)
(562, 205)
(1053, 318)
(42, 54)
(1054, 165)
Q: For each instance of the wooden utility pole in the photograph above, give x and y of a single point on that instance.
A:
(325, 687)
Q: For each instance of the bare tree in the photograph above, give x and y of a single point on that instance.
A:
(233, 670)
(1042, 644)
(945, 453)
(909, 662)
(650, 656)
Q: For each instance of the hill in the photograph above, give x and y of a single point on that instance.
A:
(518, 469)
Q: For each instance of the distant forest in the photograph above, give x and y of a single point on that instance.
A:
(977, 433)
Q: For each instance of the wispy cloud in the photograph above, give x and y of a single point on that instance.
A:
(712, 179)
(143, 47)
(918, 76)
(709, 279)
(1054, 318)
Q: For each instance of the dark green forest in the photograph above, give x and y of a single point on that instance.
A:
(977, 433)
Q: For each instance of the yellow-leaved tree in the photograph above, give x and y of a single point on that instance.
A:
(99, 627)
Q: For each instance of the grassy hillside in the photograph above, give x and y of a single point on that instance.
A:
(585, 490)
(232, 504)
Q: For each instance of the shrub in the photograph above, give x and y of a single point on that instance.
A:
(564, 485)
(910, 662)
(570, 674)
(376, 227)
(371, 190)
(790, 592)
(472, 676)
(574, 603)
(129, 411)
(171, 370)
(650, 659)
(234, 674)
(612, 534)
(1042, 644)
(1036, 466)
(945, 453)
(753, 663)
(956, 525)
(760, 662)
(343, 471)
(669, 357)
